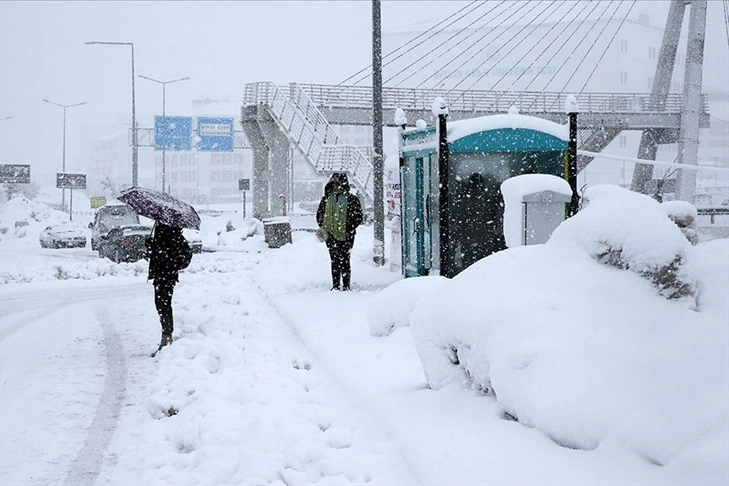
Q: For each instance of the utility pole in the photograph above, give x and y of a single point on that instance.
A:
(378, 165)
(65, 107)
(135, 144)
(164, 120)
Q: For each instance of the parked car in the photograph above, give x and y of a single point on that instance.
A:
(109, 217)
(63, 235)
(194, 239)
(124, 243)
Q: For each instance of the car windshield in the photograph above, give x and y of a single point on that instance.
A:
(117, 216)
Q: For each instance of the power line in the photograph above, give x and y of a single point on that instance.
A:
(416, 38)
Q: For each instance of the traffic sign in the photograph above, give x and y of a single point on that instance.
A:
(244, 184)
(97, 201)
(214, 134)
(15, 173)
(70, 181)
(172, 133)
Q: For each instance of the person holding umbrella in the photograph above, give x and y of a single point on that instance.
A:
(167, 249)
(168, 253)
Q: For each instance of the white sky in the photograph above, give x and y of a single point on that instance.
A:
(220, 46)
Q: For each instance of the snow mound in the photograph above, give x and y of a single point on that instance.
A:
(590, 355)
(632, 232)
(391, 308)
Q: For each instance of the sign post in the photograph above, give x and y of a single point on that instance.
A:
(244, 185)
(70, 181)
(14, 174)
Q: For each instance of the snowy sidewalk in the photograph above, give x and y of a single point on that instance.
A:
(450, 436)
(237, 399)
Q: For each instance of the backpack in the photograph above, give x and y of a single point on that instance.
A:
(184, 256)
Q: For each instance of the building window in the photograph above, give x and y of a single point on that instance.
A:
(652, 53)
(623, 77)
(650, 83)
(623, 45)
(623, 141)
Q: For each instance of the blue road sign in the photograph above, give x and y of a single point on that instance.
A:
(214, 134)
(172, 133)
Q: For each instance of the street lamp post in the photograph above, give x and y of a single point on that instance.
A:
(164, 119)
(135, 151)
(65, 107)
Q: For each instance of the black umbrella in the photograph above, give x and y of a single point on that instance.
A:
(161, 207)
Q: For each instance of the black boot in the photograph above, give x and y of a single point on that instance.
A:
(166, 340)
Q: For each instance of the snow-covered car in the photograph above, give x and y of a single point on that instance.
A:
(63, 235)
(124, 243)
(194, 239)
(108, 217)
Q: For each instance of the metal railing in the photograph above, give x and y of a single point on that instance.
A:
(491, 101)
(304, 125)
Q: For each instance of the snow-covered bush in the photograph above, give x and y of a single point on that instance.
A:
(391, 307)
(685, 216)
(237, 232)
(630, 231)
(589, 354)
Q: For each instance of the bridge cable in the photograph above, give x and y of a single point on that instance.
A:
(579, 43)
(594, 68)
(539, 56)
(726, 20)
(533, 26)
(534, 29)
(475, 4)
(595, 40)
(475, 31)
(480, 39)
(524, 4)
(569, 37)
(427, 55)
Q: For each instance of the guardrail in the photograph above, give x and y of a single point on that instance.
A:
(713, 212)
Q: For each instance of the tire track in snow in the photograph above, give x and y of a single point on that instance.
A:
(86, 467)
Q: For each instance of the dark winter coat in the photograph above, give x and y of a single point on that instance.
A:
(354, 207)
(168, 253)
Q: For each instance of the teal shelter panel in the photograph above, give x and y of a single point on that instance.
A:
(508, 140)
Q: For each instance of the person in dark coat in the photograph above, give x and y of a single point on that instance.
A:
(339, 214)
(168, 252)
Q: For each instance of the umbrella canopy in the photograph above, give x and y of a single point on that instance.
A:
(161, 207)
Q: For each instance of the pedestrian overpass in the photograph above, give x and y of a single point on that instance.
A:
(276, 118)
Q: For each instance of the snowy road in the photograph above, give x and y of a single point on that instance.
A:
(62, 380)
(89, 406)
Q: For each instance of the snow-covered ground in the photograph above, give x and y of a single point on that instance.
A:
(273, 379)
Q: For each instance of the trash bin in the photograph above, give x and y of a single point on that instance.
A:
(543, 212)
(277, 231)
(535, 204)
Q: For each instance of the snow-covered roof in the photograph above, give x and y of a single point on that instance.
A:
(462, 128)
